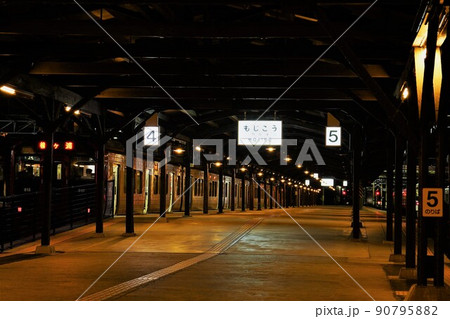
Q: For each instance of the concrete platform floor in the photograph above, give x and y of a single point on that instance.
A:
(276, 260)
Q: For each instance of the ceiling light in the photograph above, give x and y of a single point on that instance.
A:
(8, 89)
(405, 93)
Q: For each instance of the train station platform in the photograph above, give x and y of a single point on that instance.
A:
(298, 254)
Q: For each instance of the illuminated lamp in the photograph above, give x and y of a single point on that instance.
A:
(42, 145)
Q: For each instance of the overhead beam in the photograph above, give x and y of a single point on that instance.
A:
(207, 93)
(177, 68)
(392, 112)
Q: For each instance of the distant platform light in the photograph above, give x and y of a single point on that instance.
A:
(198, 148)
(179, 150)
(272, 179)
(7, 89)
(218, 164)
(270, 149)
(288, 159)
(405, 93)
(242, 169)
(299, 166)
(306, 172)
(260, 174)
(283, 180)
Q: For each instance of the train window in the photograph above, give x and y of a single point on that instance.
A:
(201, 187)
(138, 184)
(215, 189)
(155, 184)
(178, 185)
(59, 172)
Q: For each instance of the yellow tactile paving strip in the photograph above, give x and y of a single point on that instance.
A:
(212, 252)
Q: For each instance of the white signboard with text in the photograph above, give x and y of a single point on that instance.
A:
(259, 132)
(327, 182)
(151, 135)
(333, 136)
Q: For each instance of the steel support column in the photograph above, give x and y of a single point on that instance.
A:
(220, 199)
(243, 193)
(187, 180)
(356, 146)
(162, 191)
(389, 193)
(232, 189)
(205, 187)
(100, 187)
(129, 210)
(259, 195)
(47, 190)
(399, 148)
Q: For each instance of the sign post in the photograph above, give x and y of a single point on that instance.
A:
(432, 202)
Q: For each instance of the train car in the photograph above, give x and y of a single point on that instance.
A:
(146, 194)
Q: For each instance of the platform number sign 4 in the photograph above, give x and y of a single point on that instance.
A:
(333, 136)
(432, 205)
(151, 135)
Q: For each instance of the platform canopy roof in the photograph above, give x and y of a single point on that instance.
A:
(221, 60)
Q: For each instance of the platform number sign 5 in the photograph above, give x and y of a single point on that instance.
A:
(151, 135)
(333, 136)
(432, 205)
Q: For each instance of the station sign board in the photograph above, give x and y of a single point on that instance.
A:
(307, 182)
(259, 132)
(327, 182)
(432, 202)
(151, 135)
(333, 136)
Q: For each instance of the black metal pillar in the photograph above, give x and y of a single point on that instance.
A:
(271, 194)
(232, 189)
(411, 207)
(129, 210)
(389, 193)
(205, 187)
(100, 187)
(398, 196)
(220, 199)
(356, 146)
(47, 190)
(187, 180)
(243, 193)
(411, 175)
(259, 195)
(265, 194)
(251, 192)
(162, 191)
(426, 145)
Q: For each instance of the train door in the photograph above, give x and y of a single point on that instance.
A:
(148, 192)
(171, 187)
(116, 174)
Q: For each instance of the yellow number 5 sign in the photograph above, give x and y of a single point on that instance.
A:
(432, 199)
